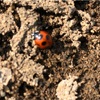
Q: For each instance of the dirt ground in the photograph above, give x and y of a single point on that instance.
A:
(34, 74)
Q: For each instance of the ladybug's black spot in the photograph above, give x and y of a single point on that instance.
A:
(47, 37)
(44, 43)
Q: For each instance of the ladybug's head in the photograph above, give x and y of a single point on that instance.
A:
(37, 35)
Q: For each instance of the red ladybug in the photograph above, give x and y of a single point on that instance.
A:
(42, 39)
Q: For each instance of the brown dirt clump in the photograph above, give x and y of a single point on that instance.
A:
(29, 73)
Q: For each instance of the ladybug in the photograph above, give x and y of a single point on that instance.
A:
(42, 39)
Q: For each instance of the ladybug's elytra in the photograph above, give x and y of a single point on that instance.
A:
(42, 39)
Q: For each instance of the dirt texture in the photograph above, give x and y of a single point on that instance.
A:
(30, 73)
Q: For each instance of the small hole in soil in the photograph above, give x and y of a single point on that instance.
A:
(35, 75)
(44, 43)
(46, 76)
(21, 51)
(30, 44)
(22, 89)
(84, 42)
(40, 61)
(81, 5)
(40, 10)
(58, 63)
